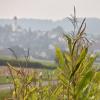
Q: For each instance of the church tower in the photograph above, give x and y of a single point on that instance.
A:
(14, 25)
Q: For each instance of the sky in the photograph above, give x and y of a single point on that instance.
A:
(48, 9)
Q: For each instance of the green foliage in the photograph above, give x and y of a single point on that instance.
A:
(31, 64)
(76, 78)
(5, 95)
(5, 79)
(75, 67)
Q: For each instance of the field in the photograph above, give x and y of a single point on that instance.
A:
(5, 94)
(73, 76)
(32, 68)
(41, 77)
(22, 62)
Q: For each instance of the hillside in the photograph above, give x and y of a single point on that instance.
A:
(41, 36)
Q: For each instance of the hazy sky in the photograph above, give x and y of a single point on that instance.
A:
(48, 9)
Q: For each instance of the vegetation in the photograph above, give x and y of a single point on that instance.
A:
(31, 64)
(5, 79)
(76, 78)
(5, 94)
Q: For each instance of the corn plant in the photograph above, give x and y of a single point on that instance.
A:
(77, 77)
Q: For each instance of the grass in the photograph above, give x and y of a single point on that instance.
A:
(4, 94)
(5, 79)
(37, 64)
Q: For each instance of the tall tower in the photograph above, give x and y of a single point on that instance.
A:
(14, 25)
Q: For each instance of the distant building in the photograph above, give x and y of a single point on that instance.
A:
(14, 24)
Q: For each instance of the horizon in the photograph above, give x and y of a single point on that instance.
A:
(18, 18)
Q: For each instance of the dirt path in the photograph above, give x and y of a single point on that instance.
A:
(6, 86)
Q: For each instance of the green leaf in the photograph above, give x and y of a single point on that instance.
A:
(97, 77)
(69, 39)
(59, 56)
(30, 92)
(29, 79)
(67, 57)
(79, 61)
(63, 79)
(86, 79)
(88, 64)
(57, 92)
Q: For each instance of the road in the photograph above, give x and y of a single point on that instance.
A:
(6, 86)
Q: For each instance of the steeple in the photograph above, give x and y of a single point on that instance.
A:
(14, 25)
